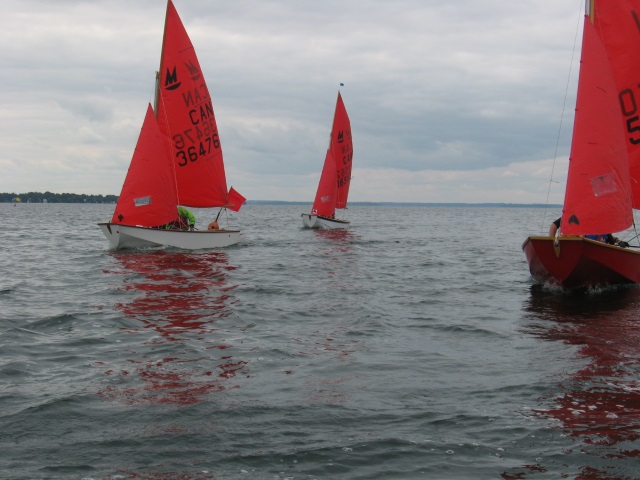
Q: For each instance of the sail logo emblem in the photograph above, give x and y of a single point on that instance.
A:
(171, 79)
(193, 70)
(340, 138)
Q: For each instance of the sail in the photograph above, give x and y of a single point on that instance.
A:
(148, 196)
(185, 115)
(618, 25)
(327, 193)
(598, 194)
(342, 150)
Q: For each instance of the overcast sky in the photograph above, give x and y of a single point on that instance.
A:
(450, 101)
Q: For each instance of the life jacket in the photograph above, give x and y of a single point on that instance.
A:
(178, 224)
(598, 238)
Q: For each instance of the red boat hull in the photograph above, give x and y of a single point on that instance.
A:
(576, 262)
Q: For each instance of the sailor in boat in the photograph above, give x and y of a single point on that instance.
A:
(213, 226)
(608, 238)
(554, 230)
(187, 218)
(186, 221)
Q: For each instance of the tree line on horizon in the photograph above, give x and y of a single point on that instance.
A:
(48, 197)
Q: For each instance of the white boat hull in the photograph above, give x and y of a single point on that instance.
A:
(126, 236)
(315, 221)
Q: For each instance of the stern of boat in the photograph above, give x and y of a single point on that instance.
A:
(576, 262)
(332, 223)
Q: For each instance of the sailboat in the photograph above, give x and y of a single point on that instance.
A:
(603, 181)
(177, 160)
(333, 188)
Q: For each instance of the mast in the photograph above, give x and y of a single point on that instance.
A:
(159, 72)
(333, 122)
(590, 9)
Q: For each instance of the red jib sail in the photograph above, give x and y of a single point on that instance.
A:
(342, 150)
(618, 25)
(327, 193)
(185, 115)
(148, 196)
(598, 194)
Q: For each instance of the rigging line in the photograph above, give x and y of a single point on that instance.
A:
(160, 98)
(564, 105)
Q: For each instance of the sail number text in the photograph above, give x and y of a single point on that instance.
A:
(344, 173)
(629, 107)
(198, 141)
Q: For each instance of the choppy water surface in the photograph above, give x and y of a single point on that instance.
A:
(414, 345)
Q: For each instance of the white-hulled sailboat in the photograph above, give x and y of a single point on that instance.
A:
(177, 160)
(333, 188)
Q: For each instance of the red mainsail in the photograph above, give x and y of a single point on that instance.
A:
(185, 116)
(598, 194)
(342, 150)
(327, 194)
(148, 196)
(618, 25)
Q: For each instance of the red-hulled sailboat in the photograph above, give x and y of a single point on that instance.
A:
(603, 182)
(177, 160)
(333, 188)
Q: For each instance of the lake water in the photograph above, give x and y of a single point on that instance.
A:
(413, 346)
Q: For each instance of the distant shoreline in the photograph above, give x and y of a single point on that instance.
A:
(414, 204)
(48, 197)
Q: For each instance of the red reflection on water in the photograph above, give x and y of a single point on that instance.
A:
(179, 296)
(339, 241)
(183, 292)
(599, 404)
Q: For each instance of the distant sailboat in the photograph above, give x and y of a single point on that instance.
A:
(177, 160)
(333, 188)
(603, 182)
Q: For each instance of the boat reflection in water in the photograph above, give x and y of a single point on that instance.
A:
(337, 261)
(599, 404)
(329, 334)
(178, 350)
(336, 241)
